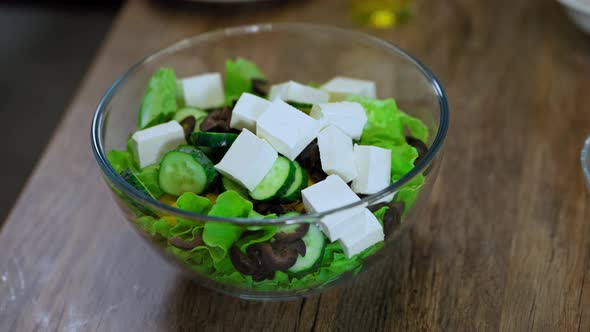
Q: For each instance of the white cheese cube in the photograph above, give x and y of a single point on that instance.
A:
(329, 194)
(297, 92)
(373, 165)
(340, 88)
(247, 110)
(350, 117)
(371, 233)
(336, 154)
(203, 91)
(150, 144)
(248, 160)
(286, 128)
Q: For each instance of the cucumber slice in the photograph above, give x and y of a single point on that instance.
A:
(185, 169)
(213, 140)
(276, 181)
(299, 183)
(315, 243)
(229, 184)
(133, 180)
(189, 111)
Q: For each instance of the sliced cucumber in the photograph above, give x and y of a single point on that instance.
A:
(276, 181)
(189, 111)
(185, 169)
(299, 183)
(133, 180)
(229, 184)
(213, 140)
(315, 243)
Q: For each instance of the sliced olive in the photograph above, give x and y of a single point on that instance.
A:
(188, 245)
(188, 125)
(260, 87)
(299, 245)
(217, 121)
(246, 264)
(276, 256)
(293, 233)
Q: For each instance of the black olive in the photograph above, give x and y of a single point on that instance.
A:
(293, 235)
(217, 121)
(188, 245)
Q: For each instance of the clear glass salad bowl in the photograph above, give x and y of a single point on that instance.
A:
(585, 157)
(299, 52)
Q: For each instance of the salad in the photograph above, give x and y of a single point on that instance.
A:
(245, 149)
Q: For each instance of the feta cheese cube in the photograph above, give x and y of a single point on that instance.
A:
(203, 91)
(340, 88)
(329, 194)
(150, 144)
(247, 110)
(286, 128)
(350, 117)
(336, 154)
(297, 92)
(373, 165)
(371, 233)
(248, 160)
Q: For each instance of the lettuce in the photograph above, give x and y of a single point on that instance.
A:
(120, 160)
(386, 127)
(154, 226)
(158, 104)
(238, 78)
(149, 177)
(194, 203)
(221, 236)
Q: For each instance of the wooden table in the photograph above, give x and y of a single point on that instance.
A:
(506, 241)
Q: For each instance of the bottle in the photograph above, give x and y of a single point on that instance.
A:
(380, 13)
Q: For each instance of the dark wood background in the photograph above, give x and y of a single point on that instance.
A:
(505, 244)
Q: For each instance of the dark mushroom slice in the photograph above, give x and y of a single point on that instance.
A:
(309, 158)
(420, 146)
(400, 206)
(217, 121)
(391, 220)
(179, 243)
(299, 245)
(260, 87)
(188, 125)
(377, 207)
(276, 256)
(246, 264)
(290, 233)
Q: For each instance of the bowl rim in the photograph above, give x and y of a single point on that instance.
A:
(576, 5)
(101, 112)
(585, 159)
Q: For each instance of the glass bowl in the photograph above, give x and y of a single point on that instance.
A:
(585, 157)
(299, 52)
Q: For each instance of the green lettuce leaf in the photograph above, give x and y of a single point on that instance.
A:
(192, 202)
(238, 78)
(149, 177)
(154, 226)
(221, 236)
(120, 160)
(158, 104)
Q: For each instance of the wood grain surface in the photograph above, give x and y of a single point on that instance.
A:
(505, 245)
